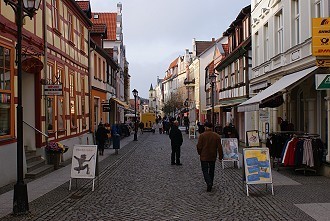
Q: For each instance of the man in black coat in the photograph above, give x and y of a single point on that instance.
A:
(176, 142)
(101, 137)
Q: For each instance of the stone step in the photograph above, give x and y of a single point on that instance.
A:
(35, 164)
(45, 169)
(32, 158)
(29, 153)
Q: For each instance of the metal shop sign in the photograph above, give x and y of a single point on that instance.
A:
(321, 37)
(322, 81)
(53, 89)
(105, 107)
(323, 62)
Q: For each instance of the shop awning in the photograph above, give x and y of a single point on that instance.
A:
(277, 88)
(121, 103)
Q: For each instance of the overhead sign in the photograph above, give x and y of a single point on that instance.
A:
(323, 62)
(53, 89)
(321, 37)
(322, 81)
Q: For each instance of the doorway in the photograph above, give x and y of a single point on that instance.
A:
(28, 103)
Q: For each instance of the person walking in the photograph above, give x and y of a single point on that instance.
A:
(176, 142)
(160, 127)
(141, 126)
(101, 136)
(209, 143)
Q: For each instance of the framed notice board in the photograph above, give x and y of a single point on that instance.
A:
(230, 150)
(252, 137)
(257, 167)
(83, 162)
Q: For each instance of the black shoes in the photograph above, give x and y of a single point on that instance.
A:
(172, 163)
(179, 164)
(209, 188)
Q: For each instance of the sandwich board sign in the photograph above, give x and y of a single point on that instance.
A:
(83, 162)
(322, 81)
(257, 167)
(229, 150)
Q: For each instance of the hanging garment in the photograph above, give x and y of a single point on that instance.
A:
(308, 159)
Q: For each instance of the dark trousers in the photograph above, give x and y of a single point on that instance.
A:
(175, 155)
(208, 171)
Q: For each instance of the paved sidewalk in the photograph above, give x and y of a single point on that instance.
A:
(140, 184)
(49, 182)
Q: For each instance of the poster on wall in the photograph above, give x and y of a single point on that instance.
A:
(230, 150)
(252, 137)
(257, 166)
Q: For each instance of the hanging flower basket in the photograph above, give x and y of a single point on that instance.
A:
(54, 150)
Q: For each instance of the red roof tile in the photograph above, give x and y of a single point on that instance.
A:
(99, 28)
(109, 51)
(173, 64)
(225, 48)
(109, 19)
(84, 5)
(201, 46)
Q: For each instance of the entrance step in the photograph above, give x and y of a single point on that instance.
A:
(40, 171)
(36, 166)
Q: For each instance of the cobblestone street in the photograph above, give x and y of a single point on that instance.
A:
(140, 184)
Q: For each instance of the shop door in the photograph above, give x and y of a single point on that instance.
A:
(28, 103)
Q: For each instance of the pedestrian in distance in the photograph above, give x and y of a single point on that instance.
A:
(160, 127)
(176, 142)
(101, 137)
(116, 134)
(141, 126)
(208, 146)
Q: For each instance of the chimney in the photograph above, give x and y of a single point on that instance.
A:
(119, 8)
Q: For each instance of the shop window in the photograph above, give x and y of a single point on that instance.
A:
(82, 38)
(83, 102)
(55, 14)
(70, 26)
(60, 101)
(5, 114)
(73, 112)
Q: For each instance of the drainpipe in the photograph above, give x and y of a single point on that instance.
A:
(91, 105)
(44, 9)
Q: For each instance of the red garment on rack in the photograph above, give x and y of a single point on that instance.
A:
(290, 155)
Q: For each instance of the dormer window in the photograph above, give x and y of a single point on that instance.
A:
(96, 16)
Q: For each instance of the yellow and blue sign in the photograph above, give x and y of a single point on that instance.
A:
(321, 37)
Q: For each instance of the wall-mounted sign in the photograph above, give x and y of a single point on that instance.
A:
(322, 81)
(105, 107)
(53, 89)
(321, 37)
(323, 62)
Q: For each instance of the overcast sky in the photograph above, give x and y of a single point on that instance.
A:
(158, 31)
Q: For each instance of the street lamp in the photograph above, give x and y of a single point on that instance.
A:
(21, 8)
(212, 78)
(135, 94)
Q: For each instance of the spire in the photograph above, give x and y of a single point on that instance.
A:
(151, 88)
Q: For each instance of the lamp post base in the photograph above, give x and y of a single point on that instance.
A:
(21, 203)
(135, 136)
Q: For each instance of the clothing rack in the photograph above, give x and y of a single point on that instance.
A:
(277, 161)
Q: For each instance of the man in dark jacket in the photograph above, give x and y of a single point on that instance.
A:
(209, 143)
(176, 142)
(101, 137)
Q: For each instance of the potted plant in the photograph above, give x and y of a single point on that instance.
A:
(53, 153)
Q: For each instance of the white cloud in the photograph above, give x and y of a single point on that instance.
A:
(157, 31)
